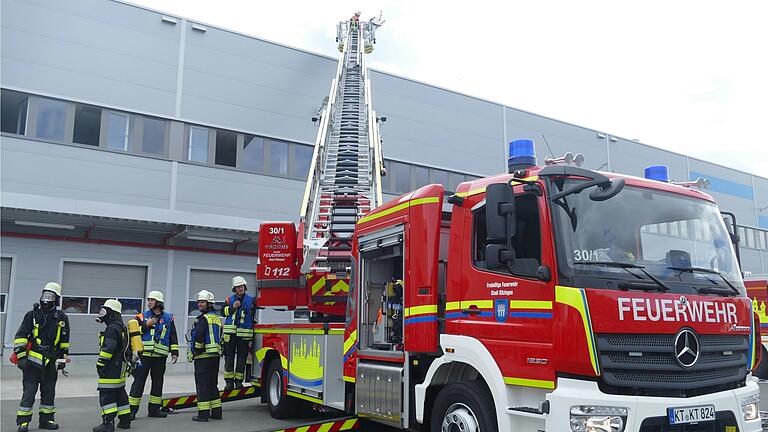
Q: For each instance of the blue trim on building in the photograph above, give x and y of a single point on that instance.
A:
(724, 186)
(762, 221)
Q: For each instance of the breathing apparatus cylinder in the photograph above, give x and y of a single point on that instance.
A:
(134, 331)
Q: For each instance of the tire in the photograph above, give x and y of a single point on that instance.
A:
(465, 407)
(281, 406)
(762, 369)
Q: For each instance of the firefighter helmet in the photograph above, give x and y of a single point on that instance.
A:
(237, 281)
(53, 287)
(156, 295)
(206, 295)
(114, 305)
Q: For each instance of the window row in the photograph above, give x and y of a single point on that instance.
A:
(402, 177)
(3, 297)
(753, 238)
(87, 305)
(70, 122)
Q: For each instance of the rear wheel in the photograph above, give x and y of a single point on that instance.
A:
(281, 405)
(464, 407)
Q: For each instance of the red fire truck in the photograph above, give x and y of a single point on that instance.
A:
(757, 290)
(549, 298)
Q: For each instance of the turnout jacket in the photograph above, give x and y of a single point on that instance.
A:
(239, 321)
(161, 338)
(112, 365)
(206, 336)
(47, 335)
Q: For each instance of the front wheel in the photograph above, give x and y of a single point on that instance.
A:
(281, 406)
(464, 407)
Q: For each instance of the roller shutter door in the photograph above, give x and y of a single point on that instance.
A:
(220, 284)
(85, 287)
(5, 284)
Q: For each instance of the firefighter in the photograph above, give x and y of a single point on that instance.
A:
(355, 20)
(41, 347)
(205, 351)
(112, 367)
(238, 315)
(158, 334)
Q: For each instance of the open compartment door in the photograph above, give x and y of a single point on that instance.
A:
(422, 247)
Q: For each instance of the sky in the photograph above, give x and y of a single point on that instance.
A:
(686, 76)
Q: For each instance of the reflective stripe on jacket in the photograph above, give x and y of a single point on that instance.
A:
(157, 339)
(206, 336)
(239, 321)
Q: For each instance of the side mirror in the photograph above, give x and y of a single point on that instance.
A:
(499, 212)
(602, 193)
(544, 274)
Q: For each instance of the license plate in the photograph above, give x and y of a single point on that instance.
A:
(694, 414)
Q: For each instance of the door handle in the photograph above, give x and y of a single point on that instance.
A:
(471, 310)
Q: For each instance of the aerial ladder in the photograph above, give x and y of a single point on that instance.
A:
(343, 184)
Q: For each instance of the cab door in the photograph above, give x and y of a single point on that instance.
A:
(510, 309)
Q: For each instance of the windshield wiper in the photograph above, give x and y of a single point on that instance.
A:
(709, 290)
(626, 285)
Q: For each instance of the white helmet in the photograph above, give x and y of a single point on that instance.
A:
(53, 287)
(237, 281)
(357, 13)
(206, 295)
(156, 295)
(114, 305)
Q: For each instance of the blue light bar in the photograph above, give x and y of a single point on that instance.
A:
(657, 172)
(522, 154)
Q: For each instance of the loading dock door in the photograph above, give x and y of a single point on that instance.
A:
(5, 284)
(86, 286)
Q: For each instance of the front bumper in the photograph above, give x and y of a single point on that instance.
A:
(571, 392)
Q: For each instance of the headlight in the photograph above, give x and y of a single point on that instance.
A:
(588, 418)
(750, 407)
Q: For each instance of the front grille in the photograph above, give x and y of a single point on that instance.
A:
(723, 419)
(651, 367)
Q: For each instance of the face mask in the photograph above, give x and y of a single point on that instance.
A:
(48, 299)
(102, 315)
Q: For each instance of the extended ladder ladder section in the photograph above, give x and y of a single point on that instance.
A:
(344, 181)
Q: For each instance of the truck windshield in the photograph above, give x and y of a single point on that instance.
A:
(644, 239)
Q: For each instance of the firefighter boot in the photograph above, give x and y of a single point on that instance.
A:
(107, 426)
(154, 411)
(124, 423)
(48, 425)
(216, 413)
(134, 411)
(24, 427)
(202, 416)
(230, 384)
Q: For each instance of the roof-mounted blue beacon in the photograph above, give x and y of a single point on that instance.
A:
(658, 173)
(522, 155)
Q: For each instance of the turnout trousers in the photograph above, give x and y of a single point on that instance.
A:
(206, 382)
(114, 403)
(32, 379)
(150, 367)
(235, 355)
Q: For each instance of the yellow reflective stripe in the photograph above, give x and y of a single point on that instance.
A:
(482, 189)
(111, 380)
(283, 362)
(199, 345)
(451, 306)
(216, 403)
(174, 347)
(304, 397)
(125, 409)
(349, 379)
(530, 304)
(545, 384)
(106, 355)
(417, 310)
(64, 345)
(203, 405)
(318, 285)
(576, 298)
(349, 424)
(261, 353)
(58, 336)
(397, 208)
(350, 341)
(153, 400)
(20, 341)
(135, 401)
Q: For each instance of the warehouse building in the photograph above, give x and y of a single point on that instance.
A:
(141, 151)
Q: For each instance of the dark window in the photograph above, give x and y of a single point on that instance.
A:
(74, 304)
(253, 153)
(419, 176)
(278, 158)
(96, 304)
(13, 111)
(438, 176)
(153, 136)
(131, 306)
(2, 302)
(87, 125)
(302, 159)
(401, 177)
(527, 240)
(226, 148)
(51, 118)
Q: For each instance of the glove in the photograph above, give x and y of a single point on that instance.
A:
(190, 357)
(23, 363)
(60, 365)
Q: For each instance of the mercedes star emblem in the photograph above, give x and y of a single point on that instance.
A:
(686, 348)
